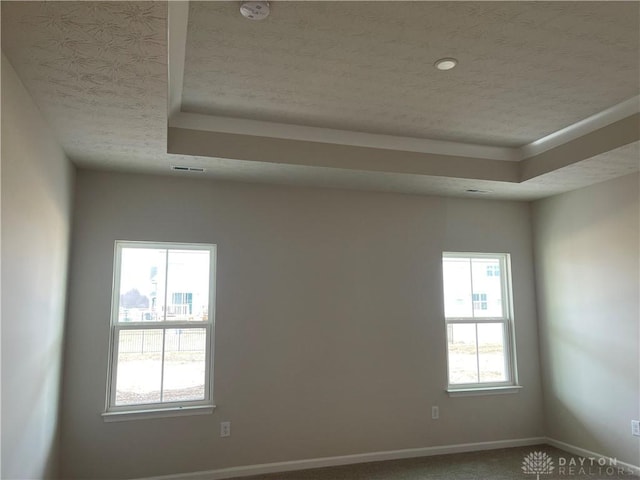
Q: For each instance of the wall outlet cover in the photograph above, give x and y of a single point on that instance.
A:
(435, 412)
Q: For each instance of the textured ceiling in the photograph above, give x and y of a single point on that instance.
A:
(98, 72)
(526, 68)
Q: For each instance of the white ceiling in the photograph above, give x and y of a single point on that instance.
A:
(341, 94)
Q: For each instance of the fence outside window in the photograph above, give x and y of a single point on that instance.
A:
(150, 341)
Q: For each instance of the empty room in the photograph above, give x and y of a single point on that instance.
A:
(312, 240)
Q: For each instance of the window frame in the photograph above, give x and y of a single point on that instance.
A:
(507, 320)
(113, 412)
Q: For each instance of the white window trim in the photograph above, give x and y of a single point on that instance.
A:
(511, 385)
(114, 412)
(157, 413)
(474, 392)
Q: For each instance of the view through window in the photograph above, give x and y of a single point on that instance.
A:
(161, 326)
(479, 322)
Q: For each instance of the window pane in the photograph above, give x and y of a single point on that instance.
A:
(457, 287)
(139, 367)
(142, 281)
(184, 364)
(491, 352)
(188, 285)
(487, 288)
(463, 362)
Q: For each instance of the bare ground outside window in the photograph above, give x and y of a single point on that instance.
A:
(139, 377)
(463, 366)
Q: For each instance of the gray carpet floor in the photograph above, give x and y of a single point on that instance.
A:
(503, 464)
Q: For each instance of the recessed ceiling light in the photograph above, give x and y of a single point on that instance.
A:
(446, 63)
(255, 10)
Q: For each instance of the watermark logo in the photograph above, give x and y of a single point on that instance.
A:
(537, 463)
(541, 463)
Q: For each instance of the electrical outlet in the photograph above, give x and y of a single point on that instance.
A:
(435, 412)
(225, 429)
(635, 428)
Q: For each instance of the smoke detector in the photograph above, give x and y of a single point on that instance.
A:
(255, 10)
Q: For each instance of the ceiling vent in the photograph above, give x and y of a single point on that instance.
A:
(255, 10)
(180, 168)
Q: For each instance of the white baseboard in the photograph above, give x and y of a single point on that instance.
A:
(260, 469)
(589, 454)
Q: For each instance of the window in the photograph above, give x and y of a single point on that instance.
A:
(478, 313)
(161, 328)
(493, 271)
(181, 304)
(479, 301)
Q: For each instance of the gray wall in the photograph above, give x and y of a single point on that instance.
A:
(330, 337)
(587, 267)
(37, 181)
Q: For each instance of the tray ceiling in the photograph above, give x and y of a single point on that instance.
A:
(369, 66)
(341, 94)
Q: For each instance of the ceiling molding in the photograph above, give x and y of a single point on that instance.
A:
(177, 21)
(241, 126)
(203, 143)
(605, 131)
(608, 138)
(299, 152)
(583, 127)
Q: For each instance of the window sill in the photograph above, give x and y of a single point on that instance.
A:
(123, 416)
(472, 392)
